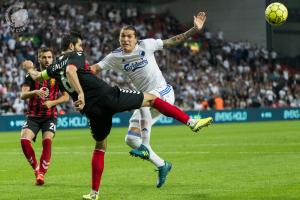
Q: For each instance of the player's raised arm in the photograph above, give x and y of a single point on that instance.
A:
(35, 75)
(95, 68)
(199, 21)
(108, 62)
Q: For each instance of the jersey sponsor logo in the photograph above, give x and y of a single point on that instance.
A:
(135, 65)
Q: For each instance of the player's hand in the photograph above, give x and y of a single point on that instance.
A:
(48, 104)
(41, 93)
(27, 65)
(80, 103)
(199, 20)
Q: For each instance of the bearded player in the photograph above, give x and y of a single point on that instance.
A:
(41, 115)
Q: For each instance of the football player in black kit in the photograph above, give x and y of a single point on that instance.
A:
(99, 101)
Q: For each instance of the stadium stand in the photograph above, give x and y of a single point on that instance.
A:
(207, 72)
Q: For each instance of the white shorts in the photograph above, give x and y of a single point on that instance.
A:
(166, 93)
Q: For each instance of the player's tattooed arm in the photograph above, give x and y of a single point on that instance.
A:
(199, 21)
(173, 41)
(29, 67)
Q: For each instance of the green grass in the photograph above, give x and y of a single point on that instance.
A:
(226, 161)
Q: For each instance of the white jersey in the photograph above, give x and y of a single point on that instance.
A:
(139, 65)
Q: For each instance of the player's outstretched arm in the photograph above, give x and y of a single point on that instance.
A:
(199, 21)
(29, 67)
(95, 68)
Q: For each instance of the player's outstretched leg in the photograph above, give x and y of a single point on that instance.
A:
(174, 112)
(198, 124)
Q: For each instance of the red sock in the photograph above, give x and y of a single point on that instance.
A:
(170, 110)
(29, 152)
(97, 168)
(46, 156)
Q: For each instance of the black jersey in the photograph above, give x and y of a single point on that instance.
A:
(92, 86)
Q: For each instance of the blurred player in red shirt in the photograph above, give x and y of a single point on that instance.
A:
(41, 115)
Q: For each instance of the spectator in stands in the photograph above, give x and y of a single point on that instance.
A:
(225, 62)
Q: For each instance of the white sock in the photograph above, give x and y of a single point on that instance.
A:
(154, 158)
(146, 123)
(94, 192)
(191, 122)
(133, 139)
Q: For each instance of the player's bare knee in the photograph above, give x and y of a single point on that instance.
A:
(48, 135)
(27, 134)
(148, 99)
(101, 145)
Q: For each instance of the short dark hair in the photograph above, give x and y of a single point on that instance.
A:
(130, 27)
(45, 49)
(70, 38)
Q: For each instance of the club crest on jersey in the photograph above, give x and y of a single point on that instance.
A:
(52, 82)
(137, 64)
(142, 53)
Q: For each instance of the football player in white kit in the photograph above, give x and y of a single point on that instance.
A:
(135, 59)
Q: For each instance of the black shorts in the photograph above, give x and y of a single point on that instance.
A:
(35, 124)
(100, 116)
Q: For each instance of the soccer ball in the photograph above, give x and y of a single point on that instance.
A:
(276, 14)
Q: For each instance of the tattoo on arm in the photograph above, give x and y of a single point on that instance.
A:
(179, 38)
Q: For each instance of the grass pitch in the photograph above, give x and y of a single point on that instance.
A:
(226, 161)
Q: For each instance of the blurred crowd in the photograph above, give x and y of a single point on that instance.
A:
(206, 72)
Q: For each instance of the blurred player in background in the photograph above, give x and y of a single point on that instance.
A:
(99, 101)
(41, 115)
(135, 59)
